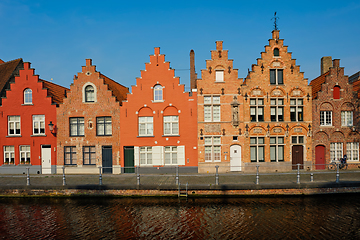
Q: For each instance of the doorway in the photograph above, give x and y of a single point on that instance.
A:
(320, 157)
(107, 159)
(235, 158)
(46, 159)
(129, 160)
(297, 156)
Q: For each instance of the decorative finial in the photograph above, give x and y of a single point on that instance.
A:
(275, 19)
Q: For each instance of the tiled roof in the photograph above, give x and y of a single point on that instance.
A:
(355, 80)
(316, 84)
(118, 90)
(57, 92)
(7, 70)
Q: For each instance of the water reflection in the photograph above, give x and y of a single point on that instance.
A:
(320, 217)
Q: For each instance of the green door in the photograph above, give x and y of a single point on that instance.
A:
(129, 160)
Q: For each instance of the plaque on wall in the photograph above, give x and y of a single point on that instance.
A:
(257, 130)
(213, 128)
(296, 93)
(276, 93)
(276, 64)
(256, 92)
(298, 130)
(277, 130)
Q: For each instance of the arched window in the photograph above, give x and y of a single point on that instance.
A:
(28, 96)
(336, 92)
(158, 93)
(89, 94)
(276, 52)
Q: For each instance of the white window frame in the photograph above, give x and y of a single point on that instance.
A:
(171, 125)
(89, 155)
(28, 96)
(9, 155)
(277, 148)
(103, 126)
(25, 154)
(171, 155)
(79, 127)
(257, 145)
(277, 109)
(352, 151)
(70, 155)
(336, 151)
(219, 75)
(145, 157)
(325, 118)
(257, 109)
(347, 118)
(297, 106)
(14, 124)
(276, 70)
(212, 148)
(212, 109)
(158, 93)
(39, 124)
(146, 125)
(84, 98)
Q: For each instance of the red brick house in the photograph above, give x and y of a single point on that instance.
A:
(88, 128)
(28, 109)
(158, 121)
(335, 115)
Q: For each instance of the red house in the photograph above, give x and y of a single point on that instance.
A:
(27, 113)
(159, 121)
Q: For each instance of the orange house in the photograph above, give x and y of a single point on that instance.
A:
(159, 122)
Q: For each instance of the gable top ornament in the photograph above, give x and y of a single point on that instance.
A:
(275, 23)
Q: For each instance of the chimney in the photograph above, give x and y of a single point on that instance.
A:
(219, 45)
(192, 70)
(336, 63)
(88, 62)
(275, 34)
(326, 63)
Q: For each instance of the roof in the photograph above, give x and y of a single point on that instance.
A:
(118, 90)
(57, 92)
(316, 84)
(354, 77)
(7, 70)
(355, 80)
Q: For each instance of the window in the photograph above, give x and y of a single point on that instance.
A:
(325, 118)
(89, 155)
(336, 151)
(352, 151)
(70, 155)
(158, 93)
(103, 126)
(296, 109)
(257, 147)
(89, 94)
(28, 96)
(276, 149)
(171, 155)
(213, 149)
(14, 125)
(336, 92)
(276, 76)
(277, 110)
(257, 110)
(276, 52)
(24, 154)
(171, 125)
(76, 126)
(297, 139)
(145, 155)
(9, 155)
(146, 126)
(38, 124)
(212, 108)
(346, 118)
(219, 75)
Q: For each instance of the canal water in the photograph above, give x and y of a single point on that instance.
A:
(316, 217)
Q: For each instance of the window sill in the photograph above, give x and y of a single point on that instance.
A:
(27, 104)
(157, 101)
(38, 135)
(146, 136)
(77, 136)
(8, 165)
(326, 126)
(89, 165)
(104, 135)
(9, 136)
(171, 135)
(70, 165)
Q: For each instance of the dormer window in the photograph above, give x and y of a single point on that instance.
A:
(336, 92)
(276, 52)
(158, 93)
(28, 96)
(219, 75)
(89, 94)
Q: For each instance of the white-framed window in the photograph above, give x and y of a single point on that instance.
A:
(145, 155)
(103, 126)
(212, 108)
(347, 118)
(276, 149)
(89, 93)
(219, 75)
(171, 155)
(70, 155)
(352, 151)
(325, 118)
(89, 155)
(277, 109)
(28, 96)
(76, 126)
(276, 76)
(171, 125)
(14, 125)
(158, 93)
(146, 126)
(297, 139)
(257, 149)
(38, 124)
(9, 155)
(296, 109)
(336, 151)
(257, 109)
(213, 149)
(25, 154)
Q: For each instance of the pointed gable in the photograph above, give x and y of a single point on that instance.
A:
(8, 70)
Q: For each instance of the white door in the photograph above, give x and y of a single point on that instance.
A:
(235, 158)
(46, 159)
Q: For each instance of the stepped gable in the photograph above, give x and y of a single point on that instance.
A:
(57, 92)
(8, 70)
(317, 83)
(117, 90)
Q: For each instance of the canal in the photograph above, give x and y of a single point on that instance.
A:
(315, 217)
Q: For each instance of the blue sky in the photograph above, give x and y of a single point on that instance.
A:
(57, 36)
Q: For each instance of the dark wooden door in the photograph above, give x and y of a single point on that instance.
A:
(297, 156)
(129, 160)
(107, 159)
(320, 157)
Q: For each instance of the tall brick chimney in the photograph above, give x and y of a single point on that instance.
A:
(326, 63)
(193, 75)
(336, 63)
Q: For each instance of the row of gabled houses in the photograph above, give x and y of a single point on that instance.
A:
(272, 118)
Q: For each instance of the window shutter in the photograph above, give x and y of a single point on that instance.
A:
(136, 156)
(157, 155)
(272, 76)
(181, 155)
